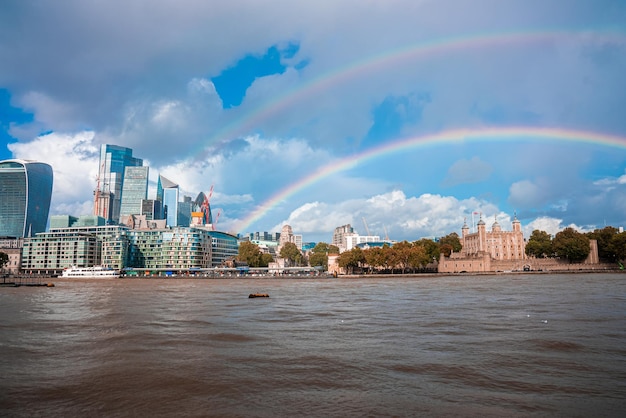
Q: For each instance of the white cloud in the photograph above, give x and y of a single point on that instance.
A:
(74, 160)
(393, 214)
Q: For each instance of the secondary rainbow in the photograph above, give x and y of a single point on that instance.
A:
(395, 57)
(444, 137)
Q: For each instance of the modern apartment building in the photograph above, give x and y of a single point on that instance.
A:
(25, 194)
(81, 246)
(179, 248)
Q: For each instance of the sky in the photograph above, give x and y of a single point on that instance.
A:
(403, 118)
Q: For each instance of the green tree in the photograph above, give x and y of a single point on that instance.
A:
(319, 254)
(266, 259)
(431, 249)
(539, 244)
(292, 254)
(604, 237)
(252, 255)
(449, 243)
(571, 245)
(618, 246)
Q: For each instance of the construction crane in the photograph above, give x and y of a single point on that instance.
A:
(366, 228)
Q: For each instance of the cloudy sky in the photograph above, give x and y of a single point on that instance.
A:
(403, 117)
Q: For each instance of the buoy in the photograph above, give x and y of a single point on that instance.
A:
(50, 285)
(258, 295)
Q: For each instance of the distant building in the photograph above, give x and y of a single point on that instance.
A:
(144, 244)
(287, 235)
(134, 191)
(77, 245)
(185, 208)
(180, 247)
(151, 209)
(168, 194)
(69, 221)
(13, 248)
(25, 194)
(355, 240)
(108, 193)
(340, 236)
(264, 236)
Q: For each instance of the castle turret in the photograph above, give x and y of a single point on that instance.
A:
(496, 226)
(465, 229)
(482, 234)
(517, 226)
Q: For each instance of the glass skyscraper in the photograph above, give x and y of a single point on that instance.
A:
(25, 194)
(108, 194)
(167, 194)
(134, 191)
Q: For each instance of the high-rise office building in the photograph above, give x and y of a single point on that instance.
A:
(108, 194)
(167, 193)
(134, 191)
(25, 194)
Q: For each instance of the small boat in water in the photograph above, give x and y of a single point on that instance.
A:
(258, 295)
(91, 272)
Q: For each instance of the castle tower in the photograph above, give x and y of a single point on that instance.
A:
(465, 229)
(482, 234)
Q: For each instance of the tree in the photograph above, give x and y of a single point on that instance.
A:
(401, 255)
(351, 259)
(375, 257)
(431, 249)
(251, 254)
(266, 259)
(571, 245)
(604, 237)
(449, 243)
(539, 244)
(618, 246)
(4, 259)
(292, 254)
(319, 254)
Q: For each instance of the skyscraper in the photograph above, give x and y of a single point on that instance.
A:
(25, 194)
(108, 194)
(167, 193)
(134, 191)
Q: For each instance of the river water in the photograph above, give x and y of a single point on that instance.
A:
(513, 345)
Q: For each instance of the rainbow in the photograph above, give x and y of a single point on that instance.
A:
(248, 121)
(441, 138)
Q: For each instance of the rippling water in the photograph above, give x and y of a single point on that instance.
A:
(517, 345)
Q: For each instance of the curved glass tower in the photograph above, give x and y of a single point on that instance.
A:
(25, 194)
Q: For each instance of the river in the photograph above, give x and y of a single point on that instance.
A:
(508, 345)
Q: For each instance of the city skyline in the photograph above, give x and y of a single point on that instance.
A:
(402, 117)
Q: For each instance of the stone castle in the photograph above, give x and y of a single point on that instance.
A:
(498, 250)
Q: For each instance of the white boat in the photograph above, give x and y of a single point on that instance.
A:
(95, 271)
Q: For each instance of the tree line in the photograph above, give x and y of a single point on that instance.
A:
(572, 245)
(405, 257)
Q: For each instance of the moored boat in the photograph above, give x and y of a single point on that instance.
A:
(91, 272)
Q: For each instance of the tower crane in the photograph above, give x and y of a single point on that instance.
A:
(366, 228)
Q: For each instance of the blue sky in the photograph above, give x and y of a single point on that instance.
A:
(253, 98)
